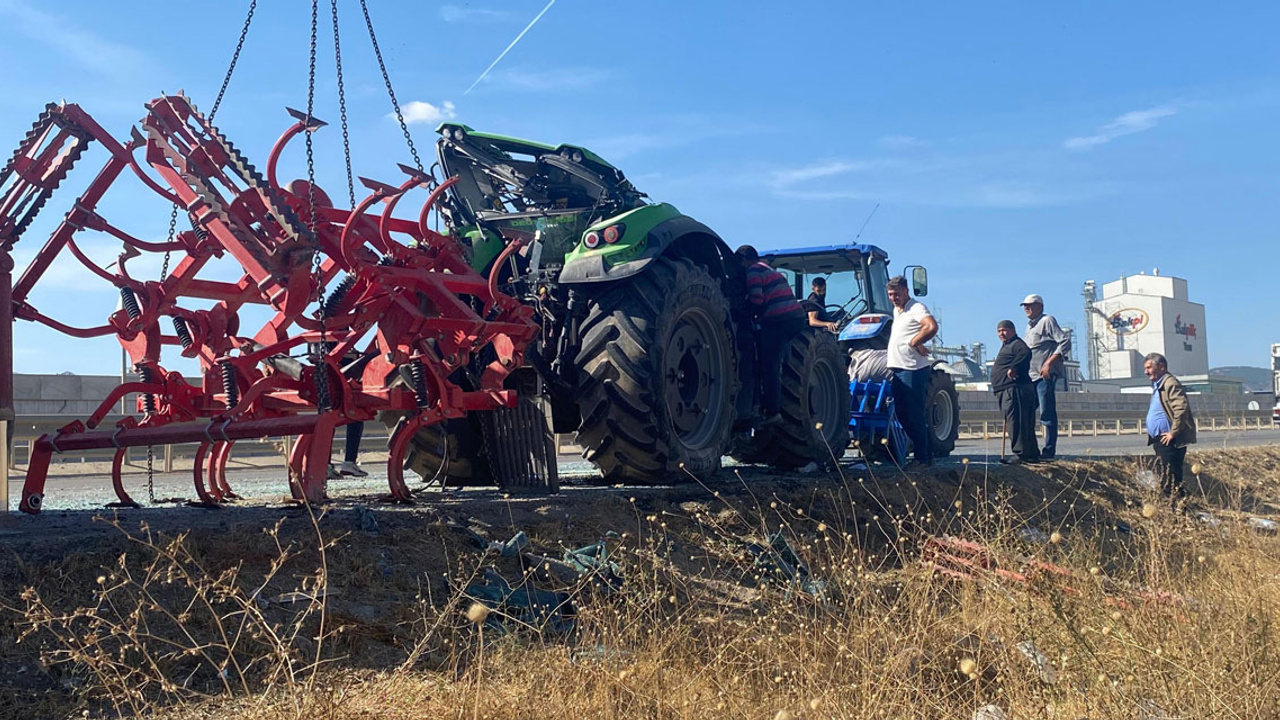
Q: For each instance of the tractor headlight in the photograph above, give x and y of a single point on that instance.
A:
(592, 240)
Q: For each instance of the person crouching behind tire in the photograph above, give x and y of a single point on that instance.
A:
(913, 326)
(781, 319)
(1011, 382)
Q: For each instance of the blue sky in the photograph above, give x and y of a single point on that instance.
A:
(1012, 147)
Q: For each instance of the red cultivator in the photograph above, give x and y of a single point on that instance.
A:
(410, 329)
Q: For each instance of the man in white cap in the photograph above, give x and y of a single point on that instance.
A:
(1049, 345)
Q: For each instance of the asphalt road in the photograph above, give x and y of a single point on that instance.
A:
(1118, 445)
(263, 480)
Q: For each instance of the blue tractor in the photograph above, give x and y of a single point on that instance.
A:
(856, 276)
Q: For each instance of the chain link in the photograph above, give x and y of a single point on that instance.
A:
(235, 57)
(317, 358)
(342, 106)
(151, 480)
(404, 127)
(173, 229)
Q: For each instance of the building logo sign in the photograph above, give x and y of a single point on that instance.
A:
(1187, 330)
(1128, 321)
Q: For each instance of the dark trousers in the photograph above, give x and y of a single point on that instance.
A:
(355, 431)
(1169, 459)
(774, 341)
(1018, 402)
(1048, 414)
(910, 388)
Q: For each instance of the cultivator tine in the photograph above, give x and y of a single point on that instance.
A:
(117, 481)
(310, 123)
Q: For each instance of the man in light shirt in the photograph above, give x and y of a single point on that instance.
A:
(913, 326)
(1049, 345)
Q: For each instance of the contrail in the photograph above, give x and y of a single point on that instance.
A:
(513, 44)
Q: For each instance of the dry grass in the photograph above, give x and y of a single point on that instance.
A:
(1151, 613)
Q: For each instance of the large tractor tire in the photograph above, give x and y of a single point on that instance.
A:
(815, 408)
(942, 407)
(657, 375)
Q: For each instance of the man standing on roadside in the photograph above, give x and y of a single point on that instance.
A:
(1049, 345)
(781, 318)
(1011, 382)
(913, 326)
(1170, 425)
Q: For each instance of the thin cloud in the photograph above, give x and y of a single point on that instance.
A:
(671, 131)
(975, 182)
(418, 111)
(85, 48)
(1127, 124)
(783, 179)
(455, 14)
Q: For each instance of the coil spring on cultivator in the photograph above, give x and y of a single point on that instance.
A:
(405, 303)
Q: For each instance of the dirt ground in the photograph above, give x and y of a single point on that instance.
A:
(386, 559)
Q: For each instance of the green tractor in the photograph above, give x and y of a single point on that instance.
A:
(643, 316)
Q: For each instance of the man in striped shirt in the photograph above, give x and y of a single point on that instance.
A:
(780, 318)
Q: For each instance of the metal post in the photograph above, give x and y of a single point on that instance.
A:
(7, 417)
(4, 467)
(288, 449)
(986, 434)
(1095, 427)
(1118, 426)
(168, 458)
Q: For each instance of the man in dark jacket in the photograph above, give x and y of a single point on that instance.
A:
(1011, 382)
(1170, 424)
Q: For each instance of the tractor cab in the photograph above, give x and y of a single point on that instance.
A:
(856, 276)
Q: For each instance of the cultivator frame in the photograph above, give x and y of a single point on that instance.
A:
(411, 329)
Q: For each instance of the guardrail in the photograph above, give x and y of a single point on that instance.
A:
(987, 429)
(28, 429)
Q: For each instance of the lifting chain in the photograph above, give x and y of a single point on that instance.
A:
(173, 227)
(395, 105)
(342, 106)
(151, 480)
(317, 358)
(213, 111)
(235, 57)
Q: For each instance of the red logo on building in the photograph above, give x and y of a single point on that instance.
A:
(1187, 330)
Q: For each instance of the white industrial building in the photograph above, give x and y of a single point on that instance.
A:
(1142, 314)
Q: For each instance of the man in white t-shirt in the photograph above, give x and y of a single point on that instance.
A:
(913, 326)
